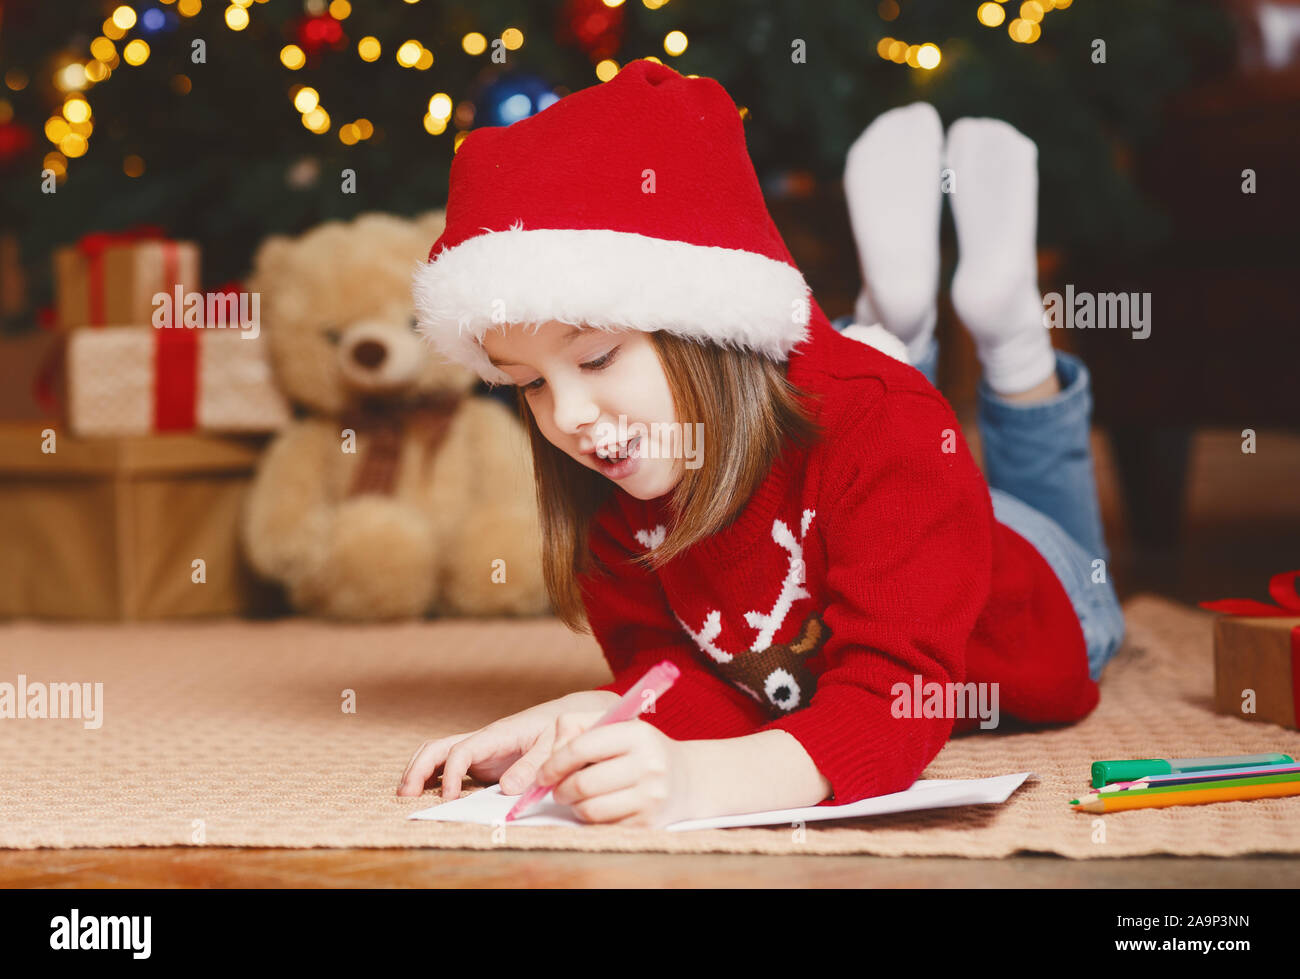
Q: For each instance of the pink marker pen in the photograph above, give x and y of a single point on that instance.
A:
(658, 679)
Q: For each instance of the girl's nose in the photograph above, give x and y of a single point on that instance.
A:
(573, 409)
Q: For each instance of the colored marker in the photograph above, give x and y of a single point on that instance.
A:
(1121, 770)
(1181, 778)
(656, 681)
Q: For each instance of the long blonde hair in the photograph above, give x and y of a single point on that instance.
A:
(730, 391)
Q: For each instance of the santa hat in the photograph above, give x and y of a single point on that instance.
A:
(629, 204)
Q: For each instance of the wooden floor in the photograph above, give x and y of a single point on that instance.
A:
(1240, 531)
(220, 867)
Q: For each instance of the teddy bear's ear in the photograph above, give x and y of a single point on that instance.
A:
(432, 223)
(272, 255)
(270, 261)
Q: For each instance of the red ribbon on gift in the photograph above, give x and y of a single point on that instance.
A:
(176, 380)
(1283, 587)
(93, 246)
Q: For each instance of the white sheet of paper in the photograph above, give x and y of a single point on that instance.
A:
(489, 807)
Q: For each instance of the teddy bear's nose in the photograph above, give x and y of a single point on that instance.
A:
(369, 353)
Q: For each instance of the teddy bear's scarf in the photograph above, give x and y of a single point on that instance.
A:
(381, 427)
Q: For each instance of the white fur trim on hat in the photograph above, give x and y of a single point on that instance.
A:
(611, 280)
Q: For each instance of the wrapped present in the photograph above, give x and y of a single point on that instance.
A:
(110, 278)
(1257, 648)
(134, 381)
(144, 527)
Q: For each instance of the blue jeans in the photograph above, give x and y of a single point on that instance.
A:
(1038, 463)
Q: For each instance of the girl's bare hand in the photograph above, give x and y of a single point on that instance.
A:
(509, 750)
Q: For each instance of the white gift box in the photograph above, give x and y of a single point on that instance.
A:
(140, 380)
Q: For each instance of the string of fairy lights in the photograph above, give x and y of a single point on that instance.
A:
(1023, 29)
(70, 129)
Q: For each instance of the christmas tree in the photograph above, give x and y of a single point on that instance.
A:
(225, 122)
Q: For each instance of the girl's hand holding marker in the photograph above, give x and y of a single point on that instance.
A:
(608, 771)
(616, 768)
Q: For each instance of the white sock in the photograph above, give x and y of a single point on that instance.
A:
(995, 288)
(891, 182)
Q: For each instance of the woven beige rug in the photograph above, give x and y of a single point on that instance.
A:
(231, 733)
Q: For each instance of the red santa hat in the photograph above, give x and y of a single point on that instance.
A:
(629, 204)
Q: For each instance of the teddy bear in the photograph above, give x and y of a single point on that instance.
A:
(397, 491)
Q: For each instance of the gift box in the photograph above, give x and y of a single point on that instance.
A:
(111, 529)
(1257, 647)
(111, 278)
(133, 381)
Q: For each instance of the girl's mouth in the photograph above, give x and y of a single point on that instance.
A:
(618, 452)
(622, 461)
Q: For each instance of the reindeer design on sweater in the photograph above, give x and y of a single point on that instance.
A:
(774, 674)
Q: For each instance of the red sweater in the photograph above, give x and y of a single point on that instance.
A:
(864, 562)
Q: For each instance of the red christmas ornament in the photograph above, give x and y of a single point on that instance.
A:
(320, 32)
(595, 28)
(15, 138)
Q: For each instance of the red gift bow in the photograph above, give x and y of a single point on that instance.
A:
(93, 246)
(1285, 590)
(232, 288)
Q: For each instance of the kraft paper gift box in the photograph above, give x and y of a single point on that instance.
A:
(1262, 655)
(1257, 648)
(109, 529)
(110, 278)
(133, 381)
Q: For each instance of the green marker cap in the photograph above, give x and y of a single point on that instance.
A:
(1105, 772)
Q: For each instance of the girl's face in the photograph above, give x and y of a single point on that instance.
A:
(590, 388)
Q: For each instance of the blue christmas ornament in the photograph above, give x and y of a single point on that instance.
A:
(515, 97)
(156, 19)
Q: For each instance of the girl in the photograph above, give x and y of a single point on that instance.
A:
(727, 482)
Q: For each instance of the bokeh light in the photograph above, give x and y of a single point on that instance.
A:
(409, 53)
(991, 14)
(306, 99)
(136, 52)
(123, 17)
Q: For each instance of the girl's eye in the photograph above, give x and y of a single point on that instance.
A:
(600, 363)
